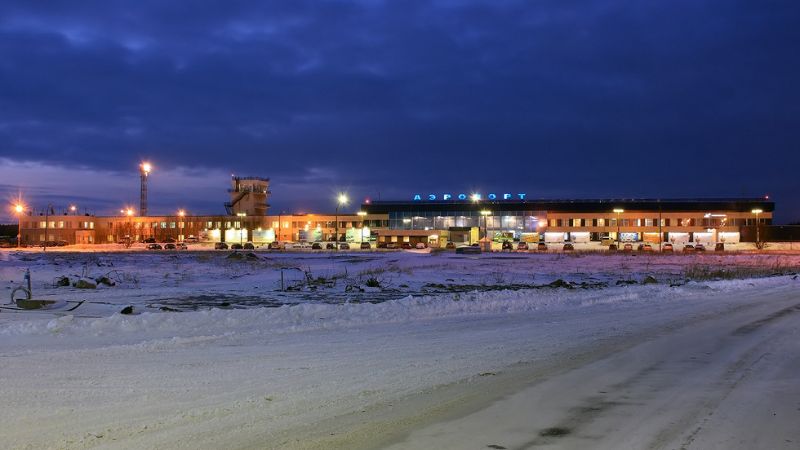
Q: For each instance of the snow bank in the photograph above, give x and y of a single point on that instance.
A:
(315, 316)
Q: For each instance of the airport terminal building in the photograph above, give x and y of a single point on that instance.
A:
(431, 219)
(468, 218)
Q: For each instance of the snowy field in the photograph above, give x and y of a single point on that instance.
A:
(400, 350)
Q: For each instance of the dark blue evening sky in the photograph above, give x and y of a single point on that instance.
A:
(555, 98)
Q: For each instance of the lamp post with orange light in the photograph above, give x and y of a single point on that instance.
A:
(618, 211)
(758, 211)
(144, 168)
(341, 200)
(19, 208)
(181, 215)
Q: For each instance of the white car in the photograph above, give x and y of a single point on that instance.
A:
(301, 246)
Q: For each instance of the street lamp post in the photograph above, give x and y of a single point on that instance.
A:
(758, 235)
(19, 208)
(340, 200)
(362, 214)
(181, 215)
(145, 169)
(618, 211)
(486, 243)
(129, 238)
(46, 225)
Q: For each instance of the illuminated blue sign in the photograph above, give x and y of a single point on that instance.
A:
(474, 196)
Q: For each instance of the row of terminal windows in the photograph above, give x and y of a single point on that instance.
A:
(712, 222)
(58, 224)
(342, 224)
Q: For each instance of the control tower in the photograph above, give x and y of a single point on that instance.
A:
(249, 196)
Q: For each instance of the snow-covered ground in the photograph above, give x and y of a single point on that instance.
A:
(366, 350)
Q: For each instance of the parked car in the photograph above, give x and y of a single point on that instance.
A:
(699, 248)
(150, 240)
(382, 245)
(274, 245)
(522, 246)
(568, 247)
(606, 241)
(628, 247)
(507, 245)
(153, 247)
(190, 240)
(301, 246)
(344, 246)
(330, 246)
(169, 247)
(719, 247)
(249, 246)
(421, 245)
(647, 248)
(405, 246)
(450, 246)
(365, 246)
(541, 246)
(688, 248)
(391, 245)
(220, 246)
(468, 250)
(315, 246)
(181, 246)
(237, 246)
(170, 240)
(612, 247)
(667, 247)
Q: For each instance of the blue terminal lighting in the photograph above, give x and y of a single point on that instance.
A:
(463, 197)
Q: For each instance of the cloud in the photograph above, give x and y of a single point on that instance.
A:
(593, 98)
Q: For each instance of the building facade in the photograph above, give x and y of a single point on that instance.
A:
(434, 221)
(466, 220)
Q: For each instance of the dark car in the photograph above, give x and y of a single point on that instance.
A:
(220, 246)
(365, 246)
(647, 248)
(699, 248)
(406, 246)
(667, 248)
(612, 247)
(688, 248)
(568, 247)
(150, 240)
(468, 250)
(330, 246)
(249, 246)
(170, 240)
(541, 246)
(507, 245)
(719, 247)
(344, 246)
(628, 247)
(153, 247)
(237, 246)
(314, 246)
(275, 245)
(450, 246)
(181, 246)
(170, 247)
(383, 245)
(522, 246)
